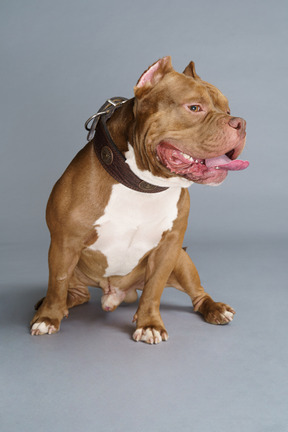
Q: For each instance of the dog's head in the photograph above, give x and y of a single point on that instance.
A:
(183, 126)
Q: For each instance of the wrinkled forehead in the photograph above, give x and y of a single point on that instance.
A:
(188, 90)
(218, 99)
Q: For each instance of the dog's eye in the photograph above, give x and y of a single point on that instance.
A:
(195, 108)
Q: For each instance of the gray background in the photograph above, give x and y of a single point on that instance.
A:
(60, 60)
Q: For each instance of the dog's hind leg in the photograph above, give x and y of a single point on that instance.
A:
(185, 278)
(77, 295)
(63, 258)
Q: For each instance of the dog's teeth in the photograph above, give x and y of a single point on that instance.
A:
(217, 167)
(202, 162)
(186, 156)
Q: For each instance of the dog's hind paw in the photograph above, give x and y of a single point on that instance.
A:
(150, 335)
(219, 313)
(228, 315)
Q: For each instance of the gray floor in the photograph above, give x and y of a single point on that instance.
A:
(93, 377)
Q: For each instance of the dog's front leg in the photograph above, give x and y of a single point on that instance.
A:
(63, 257)
(150, 327)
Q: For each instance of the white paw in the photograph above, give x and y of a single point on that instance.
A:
(149, 335)
(42, 328)
(112, 300)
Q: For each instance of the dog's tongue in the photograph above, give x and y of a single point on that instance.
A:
(226, 163)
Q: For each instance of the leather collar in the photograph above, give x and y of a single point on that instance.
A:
(112, 160)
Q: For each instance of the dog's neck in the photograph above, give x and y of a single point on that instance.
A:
(112, 158)
(120, 125)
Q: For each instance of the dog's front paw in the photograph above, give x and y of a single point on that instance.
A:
(218, 313)
(44, 326)
(150, 335)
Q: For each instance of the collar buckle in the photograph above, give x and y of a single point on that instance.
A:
(106, 109)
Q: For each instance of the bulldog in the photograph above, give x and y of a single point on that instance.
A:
(118, 215)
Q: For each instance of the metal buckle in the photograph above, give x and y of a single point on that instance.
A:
(105, 109)
(91, 130)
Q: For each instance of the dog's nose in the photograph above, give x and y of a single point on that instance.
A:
(239, 124)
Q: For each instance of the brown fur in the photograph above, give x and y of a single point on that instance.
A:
(80, 196)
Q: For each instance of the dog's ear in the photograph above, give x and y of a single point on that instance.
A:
(152, 76)
(190, 71)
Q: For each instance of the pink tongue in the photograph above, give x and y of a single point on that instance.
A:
(225, 162)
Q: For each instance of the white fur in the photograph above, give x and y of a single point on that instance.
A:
(42, 328)
(228, 315)
(112, 299)
(133, 224)
(150, 335)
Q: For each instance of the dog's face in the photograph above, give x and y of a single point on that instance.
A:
(184, 127)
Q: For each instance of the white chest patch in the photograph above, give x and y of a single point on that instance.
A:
(133, 224)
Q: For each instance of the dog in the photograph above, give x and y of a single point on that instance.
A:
(118, 215)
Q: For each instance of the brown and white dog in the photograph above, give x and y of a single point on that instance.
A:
(175, 132)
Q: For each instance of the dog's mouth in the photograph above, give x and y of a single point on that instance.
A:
(198, 170)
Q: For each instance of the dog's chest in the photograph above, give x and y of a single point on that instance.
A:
(132, 225)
